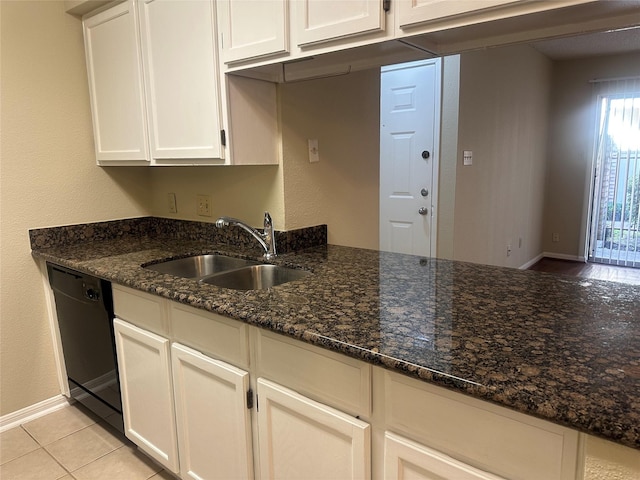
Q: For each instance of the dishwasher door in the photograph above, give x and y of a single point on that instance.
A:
(84, 307)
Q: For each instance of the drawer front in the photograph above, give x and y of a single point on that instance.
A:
(336, 380)
(140, 308)
(406, 459)
(486, 436)
(211, 334)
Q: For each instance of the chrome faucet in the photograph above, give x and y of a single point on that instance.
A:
(267, 239)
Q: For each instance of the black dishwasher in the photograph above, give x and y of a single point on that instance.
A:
(84, 306)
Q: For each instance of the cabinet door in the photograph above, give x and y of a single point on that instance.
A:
(146, 387)
(419, 11)
(214, 424)
(181, 79)
(252, 28)
(404, 459)
(114, 70)
(301, 438)
(318, 21)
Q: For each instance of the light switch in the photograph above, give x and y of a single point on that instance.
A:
(467, 157)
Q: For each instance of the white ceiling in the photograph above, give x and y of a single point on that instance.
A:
(592, 44)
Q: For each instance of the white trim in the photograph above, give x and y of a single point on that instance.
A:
(32, 412)
(533, 261)
(564, 256)
(50, 302)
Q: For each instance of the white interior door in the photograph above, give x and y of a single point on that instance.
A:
(410, 118)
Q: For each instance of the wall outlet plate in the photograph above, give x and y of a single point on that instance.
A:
(314, 153)
(203, 203)
(171, 203)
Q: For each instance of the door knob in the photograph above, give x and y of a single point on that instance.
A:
(422, 210)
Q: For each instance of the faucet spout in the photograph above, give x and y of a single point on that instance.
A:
(266, 240)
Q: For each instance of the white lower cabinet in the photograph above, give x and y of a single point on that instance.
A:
(147, 392)
(181, 404)
(317, 414)
(301, 438)
(490, 438)
(214, 423)
(405, 459)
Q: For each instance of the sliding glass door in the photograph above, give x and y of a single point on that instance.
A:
(615, 224)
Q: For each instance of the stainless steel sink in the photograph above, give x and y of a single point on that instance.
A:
(255, 277)
(199, 266)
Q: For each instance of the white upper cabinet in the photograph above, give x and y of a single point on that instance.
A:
(181, 79)
(419, 11)
(154, 83)
(317, 21)
(116, 87)
(252, 28)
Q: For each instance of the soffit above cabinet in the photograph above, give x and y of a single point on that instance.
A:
(337, 63)
(578, 19)
(81, 7)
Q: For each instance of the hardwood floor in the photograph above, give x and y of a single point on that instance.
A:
(598, 271)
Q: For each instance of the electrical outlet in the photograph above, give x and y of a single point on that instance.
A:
(508, 249)
(555, 237)
(171, 199)
(204, 205)
(314, 153)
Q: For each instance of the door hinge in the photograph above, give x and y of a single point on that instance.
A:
(250, 399)
(386, 5)
(223, 138)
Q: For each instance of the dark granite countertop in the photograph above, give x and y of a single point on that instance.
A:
(559, 348)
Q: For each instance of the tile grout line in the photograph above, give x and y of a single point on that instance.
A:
(67, 472)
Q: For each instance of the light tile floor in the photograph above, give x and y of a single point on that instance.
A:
(72, 444)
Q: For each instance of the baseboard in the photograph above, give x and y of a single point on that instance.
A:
(32, 412)
(531, 262)
(564, 256)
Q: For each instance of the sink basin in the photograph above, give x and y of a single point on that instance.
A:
(199, 266)
(255, 277)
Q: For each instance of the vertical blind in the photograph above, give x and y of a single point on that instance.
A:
(615, 224)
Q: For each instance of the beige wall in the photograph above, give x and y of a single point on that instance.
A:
(503, 121)
(340, 190)
(571, 143)
(47, 177)
(244, 192)
(606, 460)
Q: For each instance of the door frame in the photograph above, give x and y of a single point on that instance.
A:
(592, 190)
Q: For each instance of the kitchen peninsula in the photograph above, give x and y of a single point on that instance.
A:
(563, 349)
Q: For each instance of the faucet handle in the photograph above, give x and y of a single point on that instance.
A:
(270, 236)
